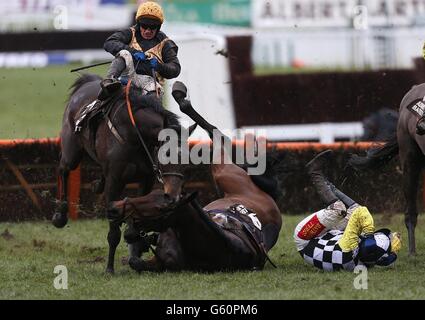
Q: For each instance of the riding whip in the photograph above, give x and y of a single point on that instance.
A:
(91, 66)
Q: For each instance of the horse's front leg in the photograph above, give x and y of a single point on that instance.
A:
(60, 218)
(114, 237)
(411, 180)
(411, 161)
(70, 158)
(136, 244)
(179, 93)
(113, 189)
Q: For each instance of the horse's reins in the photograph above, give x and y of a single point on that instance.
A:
(156, 169)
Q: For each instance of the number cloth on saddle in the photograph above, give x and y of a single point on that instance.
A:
(417, 107)
(84, 112)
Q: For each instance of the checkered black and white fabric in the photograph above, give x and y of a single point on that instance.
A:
(325, 253)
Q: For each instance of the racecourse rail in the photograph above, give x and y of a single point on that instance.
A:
(15, 165)
(270, 145)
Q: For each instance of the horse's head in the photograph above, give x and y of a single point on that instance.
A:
(173, 184)
(156, 211)
(145, 208)
(173, 176)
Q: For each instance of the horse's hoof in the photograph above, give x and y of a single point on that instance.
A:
(59, 220)
(110, 271)
(179, 91)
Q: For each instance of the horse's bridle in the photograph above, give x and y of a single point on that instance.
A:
(176, 174)
(158, 173)
(155, 168)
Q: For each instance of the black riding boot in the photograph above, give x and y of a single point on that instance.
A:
(342, 196)
(420, 126)
(111, 84)
(314, 168)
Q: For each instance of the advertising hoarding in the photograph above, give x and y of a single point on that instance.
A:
(218, 12)
(42, 15)
(337, 13)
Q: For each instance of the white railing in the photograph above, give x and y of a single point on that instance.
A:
(322, 132)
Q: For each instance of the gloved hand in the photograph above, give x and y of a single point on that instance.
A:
(140, 56)
(123, 80)
(395, 242)
(154, 63)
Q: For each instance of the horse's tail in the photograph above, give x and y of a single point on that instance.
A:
(81, 80)
(375, 157)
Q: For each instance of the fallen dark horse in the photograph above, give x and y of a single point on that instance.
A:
(231, 233)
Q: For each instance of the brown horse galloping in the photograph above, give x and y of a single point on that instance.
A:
(118, 150)
(225, 234)
(411, 149)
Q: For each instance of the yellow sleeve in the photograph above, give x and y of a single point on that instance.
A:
(395, 242)
(361, 221)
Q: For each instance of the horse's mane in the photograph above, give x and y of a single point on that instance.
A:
(82, 80)
(153, 102)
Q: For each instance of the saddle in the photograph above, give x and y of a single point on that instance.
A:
(85, 114)
(417, 107)
(238, 216)
(89, 117)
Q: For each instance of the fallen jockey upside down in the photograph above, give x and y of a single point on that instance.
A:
(342, 235)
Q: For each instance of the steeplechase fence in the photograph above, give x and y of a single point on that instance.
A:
(28, 180)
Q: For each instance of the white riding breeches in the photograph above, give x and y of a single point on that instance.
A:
(334, 217)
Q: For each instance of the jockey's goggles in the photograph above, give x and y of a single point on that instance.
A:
(152, 27)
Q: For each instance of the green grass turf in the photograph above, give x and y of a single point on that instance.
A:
(32, 100)
(28, 258)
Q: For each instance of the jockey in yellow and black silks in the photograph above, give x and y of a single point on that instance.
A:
(151, 49)
(342, 235)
